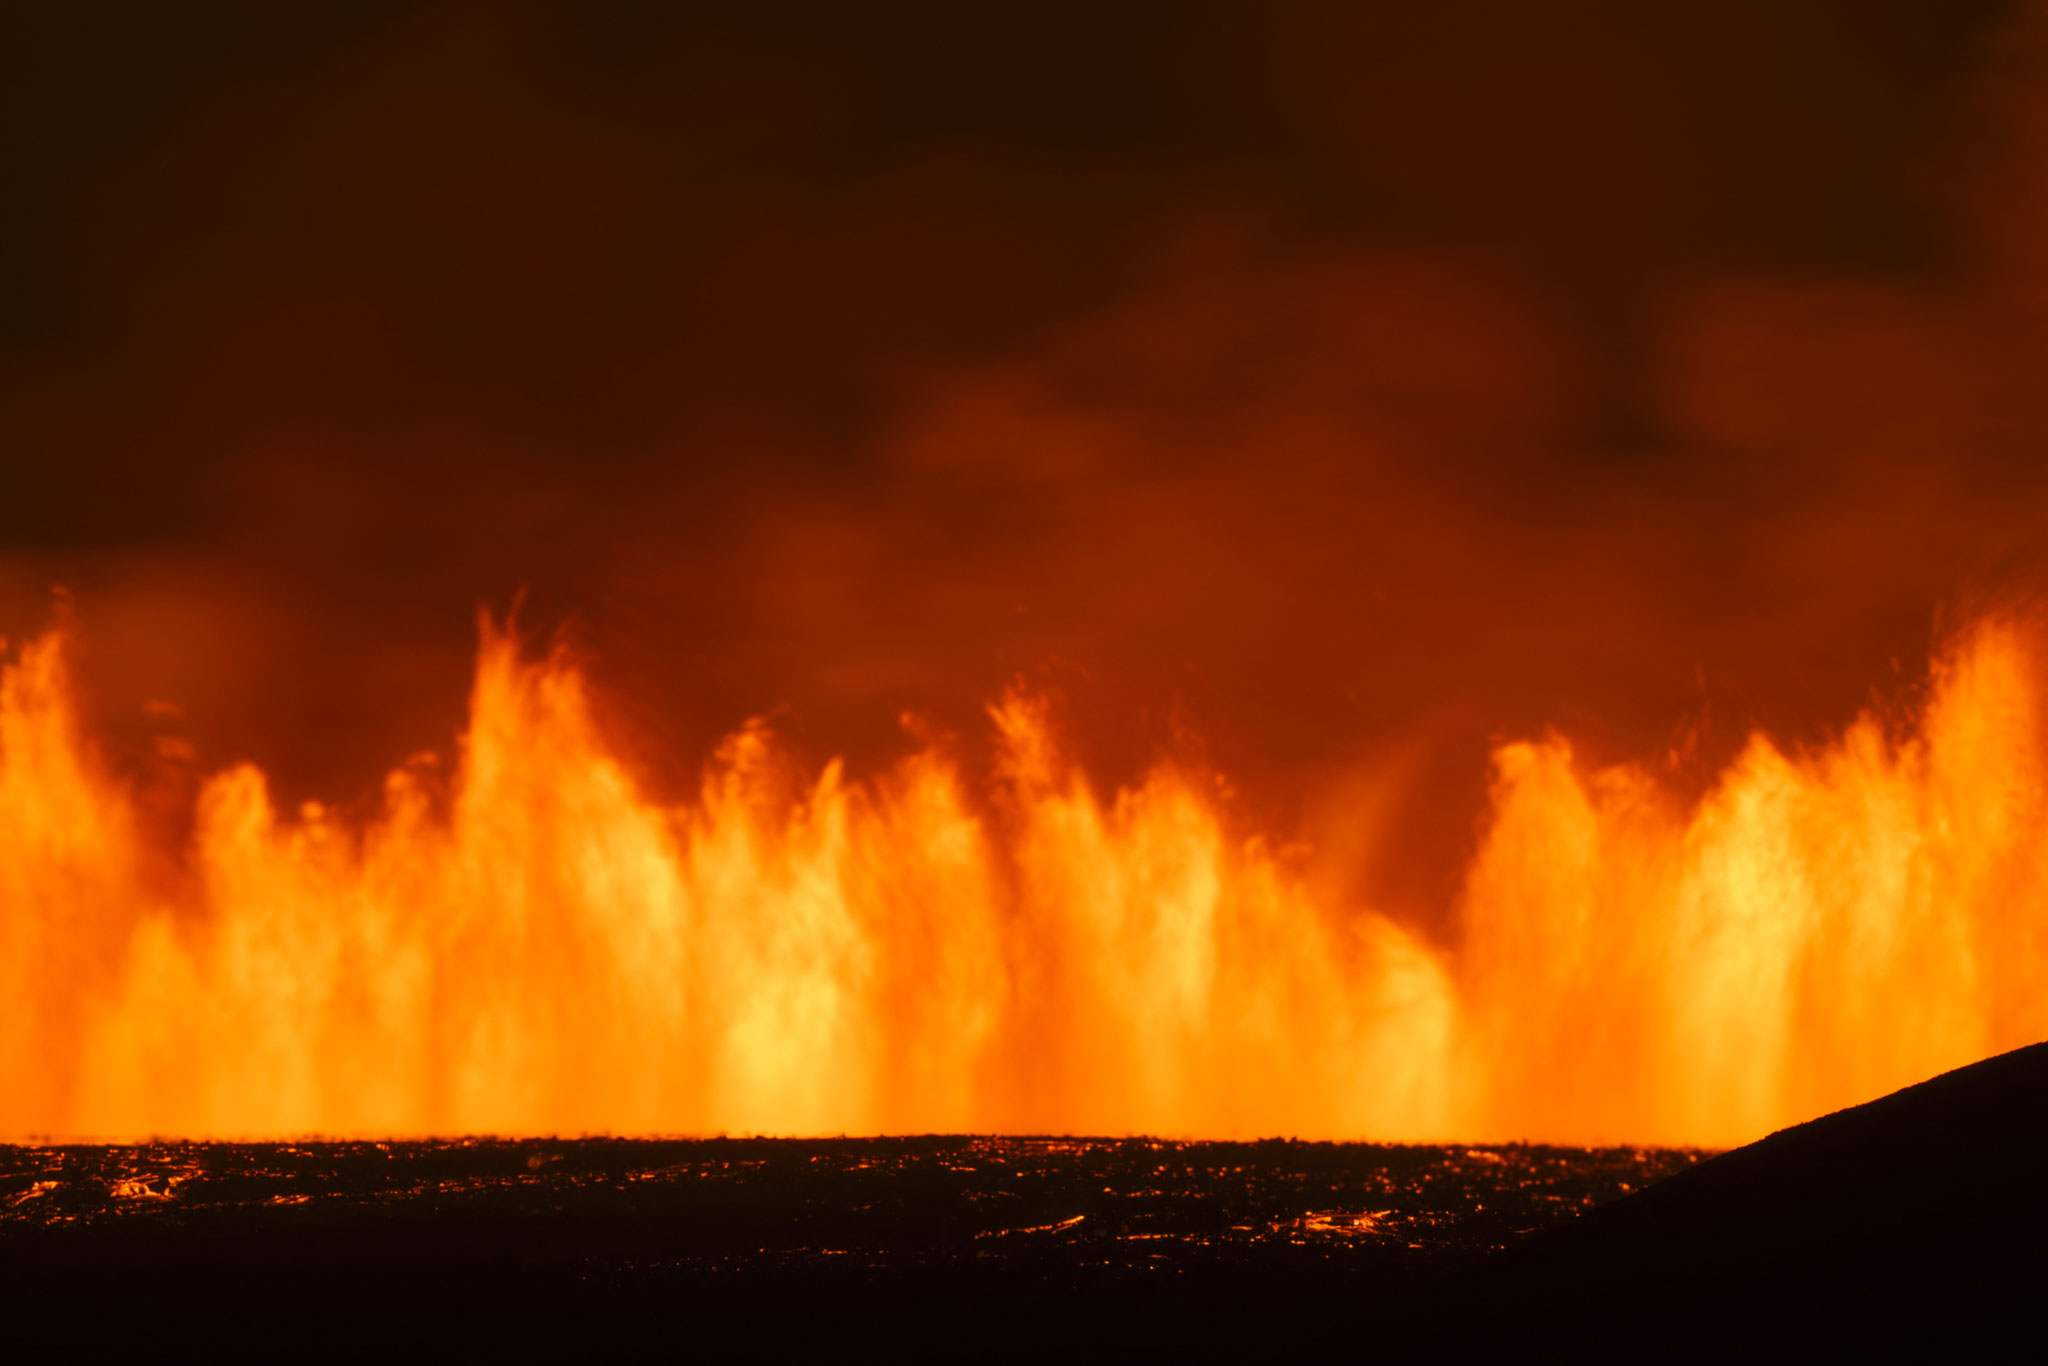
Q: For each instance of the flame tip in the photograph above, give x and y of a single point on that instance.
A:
(539, 950)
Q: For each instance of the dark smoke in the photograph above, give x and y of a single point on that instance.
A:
(1347, 384)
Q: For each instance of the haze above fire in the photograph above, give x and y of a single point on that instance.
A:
(1353, 385)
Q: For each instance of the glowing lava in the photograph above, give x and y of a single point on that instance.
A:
(533, 945)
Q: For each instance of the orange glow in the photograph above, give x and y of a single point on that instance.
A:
(1819, 930)
(531, 944)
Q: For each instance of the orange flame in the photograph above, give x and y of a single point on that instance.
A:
(547, 949)
(1819, 930)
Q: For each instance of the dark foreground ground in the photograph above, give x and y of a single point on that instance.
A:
(766, 1246)
(1912, 1224)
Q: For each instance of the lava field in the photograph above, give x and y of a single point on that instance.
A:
(774, 1243)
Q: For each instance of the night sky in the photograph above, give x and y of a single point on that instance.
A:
(1348, 385)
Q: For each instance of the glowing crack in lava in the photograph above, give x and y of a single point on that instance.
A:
(536, 946)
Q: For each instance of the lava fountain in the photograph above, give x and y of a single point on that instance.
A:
(529, 943)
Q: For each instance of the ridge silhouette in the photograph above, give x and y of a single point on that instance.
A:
(1912, 1222)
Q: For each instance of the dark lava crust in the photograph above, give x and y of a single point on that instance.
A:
(770, 1247)
(1912, 1225)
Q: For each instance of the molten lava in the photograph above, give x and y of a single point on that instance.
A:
(534, 945)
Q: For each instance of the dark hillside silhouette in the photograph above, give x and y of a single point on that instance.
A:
(1913, 1222)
